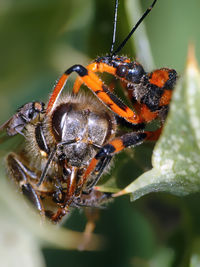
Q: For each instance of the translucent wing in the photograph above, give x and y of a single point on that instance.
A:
(3, 131)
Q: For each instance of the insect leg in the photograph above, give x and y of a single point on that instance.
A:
(93, 82)
(99, 168)
(94, 67)
(118, 144)
(21, 175)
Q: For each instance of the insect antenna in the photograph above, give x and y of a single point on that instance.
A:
(114, 28)
(133, 29)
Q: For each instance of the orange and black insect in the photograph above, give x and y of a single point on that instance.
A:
(71, 141)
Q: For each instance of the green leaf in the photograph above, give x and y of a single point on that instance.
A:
(176, 157)
(164, 257)
(17, 246)
(195, 258)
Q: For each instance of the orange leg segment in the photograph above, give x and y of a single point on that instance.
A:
(118, 144)
(94, 83)
(94, 67)
(113, 147)
(56, 92)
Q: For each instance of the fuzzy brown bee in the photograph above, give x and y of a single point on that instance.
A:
(70, 142)
(58, 148)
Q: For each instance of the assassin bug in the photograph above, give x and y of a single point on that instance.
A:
(71, 141)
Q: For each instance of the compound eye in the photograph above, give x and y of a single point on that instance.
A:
(36, 108)
(31, 114)
(135, 74)
(122, 70)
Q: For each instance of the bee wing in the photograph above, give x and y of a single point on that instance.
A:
(3, 131)
(5, 125)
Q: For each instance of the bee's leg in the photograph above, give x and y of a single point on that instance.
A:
(91, 202)
(21, 175)
(92, 216)
(57, 216)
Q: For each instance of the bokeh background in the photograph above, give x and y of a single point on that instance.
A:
(39, 39)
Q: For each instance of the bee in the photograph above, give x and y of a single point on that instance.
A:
(70, 141)
(24, 115)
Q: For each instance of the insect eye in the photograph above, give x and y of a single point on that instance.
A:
(122, 70)
(135, 74)
(31, 114)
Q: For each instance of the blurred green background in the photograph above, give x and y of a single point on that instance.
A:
(38, 41)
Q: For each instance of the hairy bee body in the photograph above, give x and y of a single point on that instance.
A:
(73, 132)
